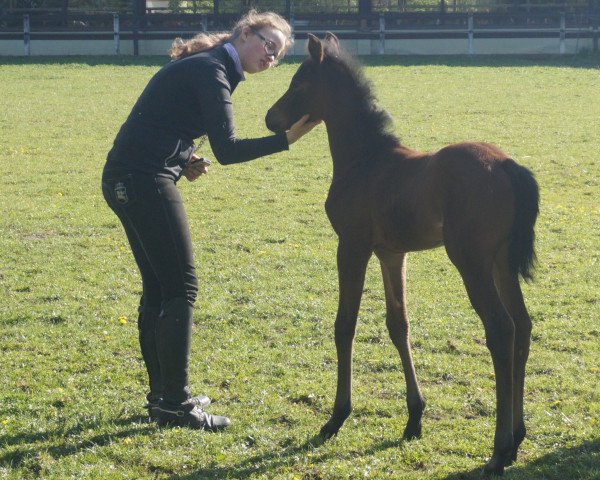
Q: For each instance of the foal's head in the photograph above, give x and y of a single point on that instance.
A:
(331, 85)
(307, 91)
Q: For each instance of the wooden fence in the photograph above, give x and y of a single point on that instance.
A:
(380, 28)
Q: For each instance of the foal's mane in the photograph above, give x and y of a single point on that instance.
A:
(376, 123)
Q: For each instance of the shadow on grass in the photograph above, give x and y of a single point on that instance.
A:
(579, 462)
(92, 61)
(30, 444)
(257, 465)
(27, 446)
(581, 60)
(268, 463)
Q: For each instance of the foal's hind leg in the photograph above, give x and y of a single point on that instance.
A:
(509, 288)
(393, 268)
(352, 264)
(499, 331)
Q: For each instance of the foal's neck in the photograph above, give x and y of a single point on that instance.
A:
(355, 129)
(347, 141)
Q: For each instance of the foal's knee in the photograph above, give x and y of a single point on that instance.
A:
(523, 329)
(398, 329)
(344, 330)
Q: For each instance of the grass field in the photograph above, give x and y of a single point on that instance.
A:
(72, 383)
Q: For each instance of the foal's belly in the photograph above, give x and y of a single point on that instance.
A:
(408, 234)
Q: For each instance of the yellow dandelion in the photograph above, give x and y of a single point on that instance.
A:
(60, 194)
(127, 441)
(593, 369)
(122, 319)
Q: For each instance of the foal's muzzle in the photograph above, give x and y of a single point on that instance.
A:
(273, 122)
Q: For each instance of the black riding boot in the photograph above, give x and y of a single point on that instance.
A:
(173, 338)
(147, 322)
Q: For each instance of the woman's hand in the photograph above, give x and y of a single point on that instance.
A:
(195, 168)
(300, 128)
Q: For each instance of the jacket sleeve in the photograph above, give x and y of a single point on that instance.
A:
(215, 99)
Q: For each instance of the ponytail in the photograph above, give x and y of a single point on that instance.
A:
(200, 43)
(252, 19)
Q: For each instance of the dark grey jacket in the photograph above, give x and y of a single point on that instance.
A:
(184, 100)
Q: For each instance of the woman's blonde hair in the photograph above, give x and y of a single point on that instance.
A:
(252, 19)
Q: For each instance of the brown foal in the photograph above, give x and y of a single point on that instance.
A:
(389, 199)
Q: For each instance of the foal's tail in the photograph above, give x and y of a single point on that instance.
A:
(521, 250)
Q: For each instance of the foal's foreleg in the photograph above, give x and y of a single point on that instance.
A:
(393, 268)
(352, 264)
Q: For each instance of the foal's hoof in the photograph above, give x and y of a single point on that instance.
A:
(328, 431)
(512, 458)
(519, 436)
(412, 430)
(494, 467)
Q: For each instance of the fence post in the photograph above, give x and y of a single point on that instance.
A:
(117, 33)
(562, 33)
(470, 34)
(595, 34)
(293, 25)
(381, 34)
(26, 35)
(204, 23)
(138, 15)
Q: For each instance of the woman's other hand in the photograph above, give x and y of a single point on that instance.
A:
(195, 168)
(300, 128)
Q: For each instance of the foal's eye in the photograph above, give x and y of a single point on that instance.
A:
(299, 77)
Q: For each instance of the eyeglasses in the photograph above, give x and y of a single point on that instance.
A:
(270, 47)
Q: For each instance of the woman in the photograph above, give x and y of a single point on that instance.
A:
(186, 99)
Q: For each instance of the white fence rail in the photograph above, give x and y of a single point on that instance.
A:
(382, 36)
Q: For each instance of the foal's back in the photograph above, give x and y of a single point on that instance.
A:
(417, 199)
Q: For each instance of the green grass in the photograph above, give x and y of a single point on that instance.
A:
(72, 383)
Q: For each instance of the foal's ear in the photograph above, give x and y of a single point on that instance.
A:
(333, 40)
(315, 48)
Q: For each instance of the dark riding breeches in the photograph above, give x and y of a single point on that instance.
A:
(152, 213)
